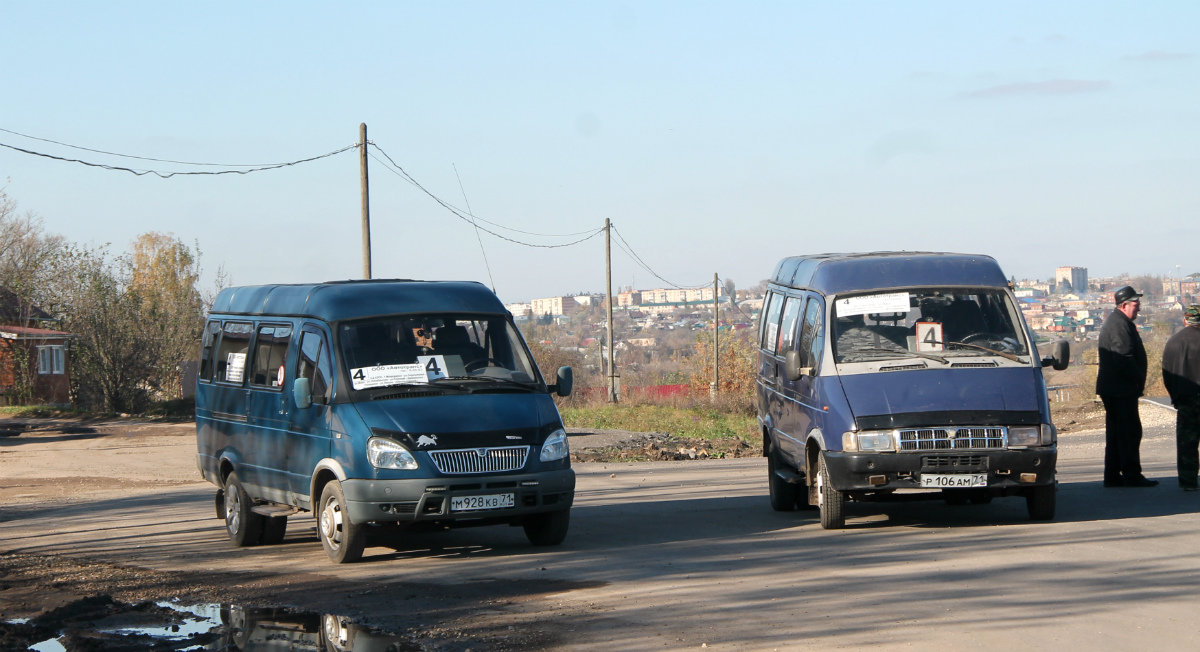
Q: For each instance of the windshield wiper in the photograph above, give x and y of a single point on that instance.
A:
(903, 354)
(1008, 356)
(505, 381)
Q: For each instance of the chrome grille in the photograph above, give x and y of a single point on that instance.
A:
(951, 438)
(480, 460)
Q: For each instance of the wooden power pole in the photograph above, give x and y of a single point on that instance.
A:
(612, 366)
(366, 202)
(716, 384)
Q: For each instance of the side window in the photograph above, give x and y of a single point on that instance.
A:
(231, 353)
(313, 364)
(787, 332)
(812, 337)
(771, 323)
(270, 354)
(211, 330)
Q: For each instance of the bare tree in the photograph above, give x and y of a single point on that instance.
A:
(27, 255)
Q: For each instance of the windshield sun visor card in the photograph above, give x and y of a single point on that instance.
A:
(929, 336)
(870, 304)
(434, 366)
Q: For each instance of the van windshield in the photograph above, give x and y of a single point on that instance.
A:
(429, 348)
(927, 323)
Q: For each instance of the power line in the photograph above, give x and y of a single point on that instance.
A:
(407, 177)
(168, 175)
(477, 238)
(140, 158)
(399, 171)
(628, 249)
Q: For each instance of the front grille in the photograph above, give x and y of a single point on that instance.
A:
(953, 461)
(480, 460)
(951, 438)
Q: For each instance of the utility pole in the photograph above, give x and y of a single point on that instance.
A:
(366, 201)
(612, 366)
(716, 384)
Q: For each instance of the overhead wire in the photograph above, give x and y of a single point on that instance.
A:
(628, 249)
(460, 214)
(477, 238)
(140, 158)
(167, 175)
(407, 177)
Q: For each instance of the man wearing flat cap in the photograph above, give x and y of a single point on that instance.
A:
(1120, 381)
(1181, 375)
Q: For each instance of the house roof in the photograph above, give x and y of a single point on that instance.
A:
(11, 309)
(26, 333)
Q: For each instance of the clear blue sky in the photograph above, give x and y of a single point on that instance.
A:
(718, 137)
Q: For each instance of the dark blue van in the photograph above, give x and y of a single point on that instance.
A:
(372, 402)
(901, 370)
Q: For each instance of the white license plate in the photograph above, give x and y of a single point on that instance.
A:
(953, 480)
(474, 503)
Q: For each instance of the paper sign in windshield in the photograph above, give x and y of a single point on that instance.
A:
(434, 365)
(235, 365)
(929, 336)
(385, 375)
(872, 304)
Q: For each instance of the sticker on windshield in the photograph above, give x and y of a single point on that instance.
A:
(235, 364)
(434, 365)
(385, 375)
(872, 304)
(929, 336)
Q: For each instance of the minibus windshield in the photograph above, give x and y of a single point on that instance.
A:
(428, 349)
(930, 323)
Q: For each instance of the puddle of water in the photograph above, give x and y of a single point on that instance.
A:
(247, 629)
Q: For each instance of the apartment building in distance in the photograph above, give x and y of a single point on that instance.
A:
(552, 306)
(1071, 279)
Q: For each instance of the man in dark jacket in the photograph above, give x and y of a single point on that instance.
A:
(1181, 375)
(1120, 381)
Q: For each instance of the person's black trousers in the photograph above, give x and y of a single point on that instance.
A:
(1122, 439)
(1187, 439)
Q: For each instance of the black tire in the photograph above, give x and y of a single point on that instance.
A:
(547, 529)
(783, 493)
(243, 525)
(832, 502)
(342, 540)
(219, 503)
(273, 530)
(1041, 502)
(955, 496)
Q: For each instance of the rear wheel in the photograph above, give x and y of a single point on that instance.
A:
(783, 493)
(830, 501)
(243, 525)
(342, 540)
(1041, 502)
(547, 529)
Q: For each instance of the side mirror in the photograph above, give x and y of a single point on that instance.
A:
(792, 368)
(566, 379)
(1061, 357)
(302, 392)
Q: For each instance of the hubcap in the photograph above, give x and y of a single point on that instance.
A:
(820, 489)
(331, 523)
(233, 511)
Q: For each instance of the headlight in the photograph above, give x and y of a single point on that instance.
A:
(1043, 435)
(555, 447)
(868, 441)
(387, 454)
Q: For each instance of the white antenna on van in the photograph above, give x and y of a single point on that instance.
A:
(468, 203)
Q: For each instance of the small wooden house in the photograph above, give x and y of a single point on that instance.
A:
(42, 357)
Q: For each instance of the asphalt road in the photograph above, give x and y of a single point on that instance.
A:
(681, 555)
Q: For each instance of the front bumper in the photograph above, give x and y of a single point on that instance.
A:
(853, 471)
(412, 500)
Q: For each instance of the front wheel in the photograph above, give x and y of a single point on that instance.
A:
(1041, 501)
(830, 501)
(342, 540)
(547, 529)
(783, 493)
(243, 525)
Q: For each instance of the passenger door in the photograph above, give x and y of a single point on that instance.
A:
(768, 336)
(228, 398)
(805, 392)
(308, 428)
(268, 420)
(787, 409)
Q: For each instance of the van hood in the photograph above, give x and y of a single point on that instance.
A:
(893, 399)
(462, 421)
